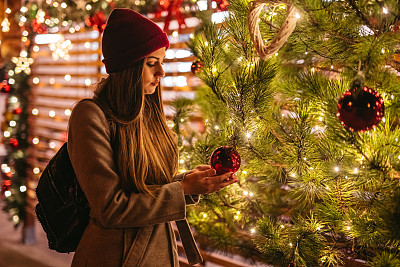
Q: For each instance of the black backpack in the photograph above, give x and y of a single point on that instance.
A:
(63, 209)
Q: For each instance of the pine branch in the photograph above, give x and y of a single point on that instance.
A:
(361, 15)
(329, 31)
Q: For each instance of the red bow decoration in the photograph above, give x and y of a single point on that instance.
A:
(38, 27)
(174, 10)
(97, 21)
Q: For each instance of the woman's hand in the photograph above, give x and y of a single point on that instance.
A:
(203, 180)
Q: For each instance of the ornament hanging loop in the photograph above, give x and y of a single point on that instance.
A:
(266, 51)
(357, 84)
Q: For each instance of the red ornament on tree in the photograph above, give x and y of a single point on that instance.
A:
(17, 111)
(97, 21)
(225, 159)
(221, 5)
(5, 186)
(5, 87)
(360, 109)
(14, 142)
(196, 66)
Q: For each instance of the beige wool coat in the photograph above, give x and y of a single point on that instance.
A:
(124, 229)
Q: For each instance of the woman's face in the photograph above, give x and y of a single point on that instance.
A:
(153, 70)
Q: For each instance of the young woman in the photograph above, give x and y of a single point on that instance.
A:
(125, 156)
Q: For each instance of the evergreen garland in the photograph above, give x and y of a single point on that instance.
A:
(15, 129)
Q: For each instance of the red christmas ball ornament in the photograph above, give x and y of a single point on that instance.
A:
(360, 109)
(6, 185)
(5, 87)
(14, 142)
(97, 21)
(225, 159)
(196, 66)
(17, 111)
(221, 5)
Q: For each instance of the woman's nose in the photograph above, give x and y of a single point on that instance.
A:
(160, 72)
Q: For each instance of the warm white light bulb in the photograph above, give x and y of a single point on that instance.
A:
(35, 80)
(384, 10)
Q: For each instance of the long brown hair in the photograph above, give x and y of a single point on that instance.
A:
(145, 148)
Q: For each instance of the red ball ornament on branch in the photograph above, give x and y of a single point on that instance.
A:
(225, 159)
(5, 186)
(196, 66)
(17, 111)
(5, 87)
(14, 142)
(222, 4)
(360, 109)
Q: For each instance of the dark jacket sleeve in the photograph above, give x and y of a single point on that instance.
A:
(91, 155)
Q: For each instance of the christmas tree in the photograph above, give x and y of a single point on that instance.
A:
(316, 124)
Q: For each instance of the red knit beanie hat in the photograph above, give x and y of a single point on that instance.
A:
(129, 37)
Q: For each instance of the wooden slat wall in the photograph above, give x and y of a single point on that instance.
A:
(53, 97)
